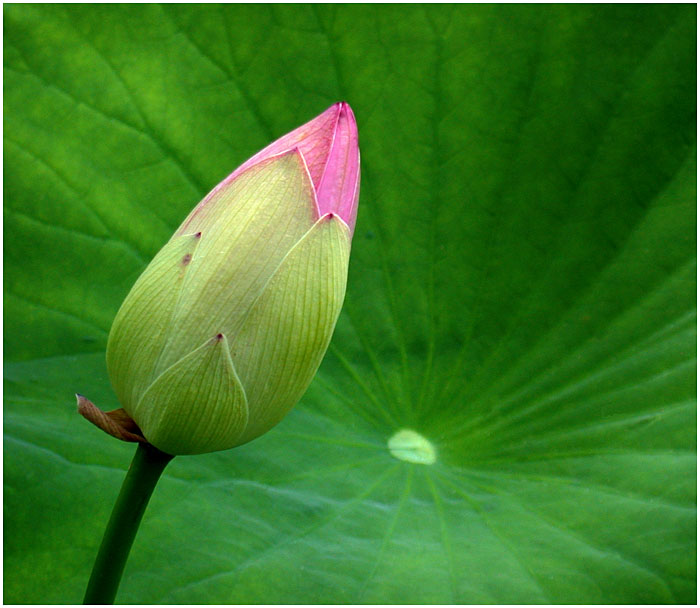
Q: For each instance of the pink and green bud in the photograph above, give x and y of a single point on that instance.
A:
(224, 330)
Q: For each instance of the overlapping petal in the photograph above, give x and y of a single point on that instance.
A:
(225, 329)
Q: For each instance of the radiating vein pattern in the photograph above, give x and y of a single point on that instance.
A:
(521, 296)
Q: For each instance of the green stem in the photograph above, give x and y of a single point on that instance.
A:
(141, 479)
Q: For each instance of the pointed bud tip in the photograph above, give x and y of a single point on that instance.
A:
(345, 108)
(345, 112)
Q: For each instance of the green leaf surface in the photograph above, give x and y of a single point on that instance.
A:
(521, 294)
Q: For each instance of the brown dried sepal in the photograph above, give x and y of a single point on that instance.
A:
(116, 423)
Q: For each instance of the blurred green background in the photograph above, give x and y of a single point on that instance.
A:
(521, 293)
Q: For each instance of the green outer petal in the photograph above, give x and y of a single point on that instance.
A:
(247, 229)
(281, 342)
(141, 326)
(197, 405)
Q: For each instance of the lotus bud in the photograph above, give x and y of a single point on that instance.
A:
(224, 330)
